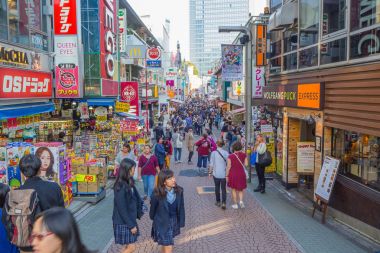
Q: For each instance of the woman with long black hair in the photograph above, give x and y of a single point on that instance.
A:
(167, 210)
(127, 207)
(55, 230)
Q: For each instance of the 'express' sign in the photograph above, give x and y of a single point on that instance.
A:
(16, 84)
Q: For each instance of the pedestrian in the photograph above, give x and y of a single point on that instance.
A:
(125, 152)
(218, 166)
(236, 176)
(169, 151)
(46, 194)
(260, 149)
(177, 144)
(56, 231)
(5, 244)
(159, 152)
(189, 142)
(167, 210)
(158, 131)
(127, 207)
(203, 148)
(148, 168)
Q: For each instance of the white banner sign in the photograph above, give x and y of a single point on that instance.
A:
(122, 17)
(327, 178)
(258, 81)
(305, 157)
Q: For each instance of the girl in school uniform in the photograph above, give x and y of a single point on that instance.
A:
(167, 210)
(127, 207)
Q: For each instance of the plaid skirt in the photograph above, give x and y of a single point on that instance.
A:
(167, 238)
(123, 235)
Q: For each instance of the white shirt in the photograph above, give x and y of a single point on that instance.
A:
(218, 164)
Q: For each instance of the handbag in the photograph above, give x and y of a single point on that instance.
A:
(245, 170)
(265, 159)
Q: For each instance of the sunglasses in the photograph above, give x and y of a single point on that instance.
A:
(39, 237)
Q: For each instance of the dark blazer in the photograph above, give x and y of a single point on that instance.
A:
(159, 212)
(49, 193)
(127, 206)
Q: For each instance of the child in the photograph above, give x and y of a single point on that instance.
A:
(127, 207)
(167, 210)
(5, 245)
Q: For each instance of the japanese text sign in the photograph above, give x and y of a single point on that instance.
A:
(129, 126)
(129, 93)
(258, 82)
(65, 17)
(122, 107)
(24, 84)
(261, 44)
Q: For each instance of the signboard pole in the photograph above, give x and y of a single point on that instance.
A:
(146, 95)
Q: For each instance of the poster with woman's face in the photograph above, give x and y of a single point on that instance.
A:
(49, 161)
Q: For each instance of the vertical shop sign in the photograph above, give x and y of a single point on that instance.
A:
(258, 82)
(67, 69)
(261, 45)
(153, 57)
(122, 17)
(232, 62)
(129, 93)
(65, 17)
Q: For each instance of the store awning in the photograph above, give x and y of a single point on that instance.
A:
(101, 102)
(20, 110)
(237, 111)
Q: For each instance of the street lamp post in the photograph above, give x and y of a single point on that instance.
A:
(248, 83)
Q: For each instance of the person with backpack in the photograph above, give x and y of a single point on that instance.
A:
(218, 166)
(159, 152)
(56, 231)
(167, 210)
(148, 168)
(35, 193)
(177, 144)
(127, 207)
(5, 245)
(260, 149)
(203, 148)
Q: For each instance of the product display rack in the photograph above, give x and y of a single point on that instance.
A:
(54, 127)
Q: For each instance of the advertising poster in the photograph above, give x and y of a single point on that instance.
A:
(305, 157)
(327, 178)
(17, 84)
(129, 93)
(238, 88)
(232, 62)
(53, 166)
(267, 132)
(258, 81)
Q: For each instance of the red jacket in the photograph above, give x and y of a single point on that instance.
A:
(203, 147)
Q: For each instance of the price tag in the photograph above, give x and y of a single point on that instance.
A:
(86, 178)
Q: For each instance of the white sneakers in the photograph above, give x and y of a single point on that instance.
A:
(236, 206)
(242, 204)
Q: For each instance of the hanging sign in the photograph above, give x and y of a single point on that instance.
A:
(232, 62)
(129, 126)
(258, 82)
(122, 17)
(122, 106)
(261, 45)
(305, 157)
(153, 57)
(327, 178)
(129, 93)
(65, 17)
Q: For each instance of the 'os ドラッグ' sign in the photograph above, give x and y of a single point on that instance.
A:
(298, 95)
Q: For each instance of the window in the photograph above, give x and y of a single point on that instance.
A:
(334, 16)
(3, 20)
(290, 39)
(275, 43)
(18, 22)
(364, 13)
(309, 22)
(365, 44)
(334, 51)
(274, 5)
(275, 65)
(308, 57)
(290, 61)
(359, 155)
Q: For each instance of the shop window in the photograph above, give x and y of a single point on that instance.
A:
(364, 13)
(334, 51)
(275, 43)
(290, 39)
(334, 16)
(274, 5)
(18, 22)
(275, 65)
(290, 61)
(3, 20)
(359, 155)
(39, 41)
(365, 44)
(309, 22)
(308, 57)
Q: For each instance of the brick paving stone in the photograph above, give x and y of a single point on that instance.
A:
(209, 229)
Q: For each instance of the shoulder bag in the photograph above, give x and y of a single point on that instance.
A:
(245, 170)
(265, 159)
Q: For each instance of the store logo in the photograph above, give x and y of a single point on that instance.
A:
(110, 37)
(129, 94)
(13, 56)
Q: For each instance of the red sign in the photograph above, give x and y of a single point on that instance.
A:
(154, 53)
(67, 81)
(129, 92)
(65, 17)
(129, 126)
(16, 83)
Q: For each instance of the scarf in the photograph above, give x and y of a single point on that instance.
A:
(170, 196)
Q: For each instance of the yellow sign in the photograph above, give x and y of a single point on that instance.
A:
(141, 141)
(85, 178)
(122, 107)
(101, 118)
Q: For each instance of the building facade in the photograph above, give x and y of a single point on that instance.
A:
(324, 89)
(205, 18)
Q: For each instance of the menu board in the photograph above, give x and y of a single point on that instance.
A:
(327, 178)
(305, 157)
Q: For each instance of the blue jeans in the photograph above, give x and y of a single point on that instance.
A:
(202, 161)
(177, 154)
(148, 181)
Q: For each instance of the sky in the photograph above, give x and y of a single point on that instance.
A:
(177, 11)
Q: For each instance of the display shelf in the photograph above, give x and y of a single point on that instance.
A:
(90, 197)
